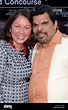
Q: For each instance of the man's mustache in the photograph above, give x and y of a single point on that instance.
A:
(40, 32)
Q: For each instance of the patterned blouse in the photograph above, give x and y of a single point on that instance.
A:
(15, 71)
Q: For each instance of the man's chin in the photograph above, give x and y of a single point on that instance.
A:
(42, 41)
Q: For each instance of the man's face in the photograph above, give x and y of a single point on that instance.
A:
(43, 28)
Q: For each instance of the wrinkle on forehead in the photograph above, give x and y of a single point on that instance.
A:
(41, 18)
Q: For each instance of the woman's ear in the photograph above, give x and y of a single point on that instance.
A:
(10, 30)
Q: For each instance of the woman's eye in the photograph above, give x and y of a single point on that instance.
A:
(26, 28)
(16, 26)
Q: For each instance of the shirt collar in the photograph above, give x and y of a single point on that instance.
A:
(23, 50)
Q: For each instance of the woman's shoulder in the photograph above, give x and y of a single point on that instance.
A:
(3, 46)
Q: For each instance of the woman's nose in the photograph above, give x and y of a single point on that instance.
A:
(21, 30)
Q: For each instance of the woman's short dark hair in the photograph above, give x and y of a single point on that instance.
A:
(6, 30)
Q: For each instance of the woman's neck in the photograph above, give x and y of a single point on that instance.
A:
(16, 46)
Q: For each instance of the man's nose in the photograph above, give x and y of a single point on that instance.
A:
(39, 27)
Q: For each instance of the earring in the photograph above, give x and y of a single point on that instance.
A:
(10, 30)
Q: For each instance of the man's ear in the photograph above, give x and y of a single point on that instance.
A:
(56, 24)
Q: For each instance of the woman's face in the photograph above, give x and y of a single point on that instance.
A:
(20, 30)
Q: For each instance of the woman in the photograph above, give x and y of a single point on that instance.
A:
(15, 58)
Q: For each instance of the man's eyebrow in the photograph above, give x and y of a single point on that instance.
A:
(34, 24)
(44, 22)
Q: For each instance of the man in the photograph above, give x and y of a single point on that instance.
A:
(49, 79)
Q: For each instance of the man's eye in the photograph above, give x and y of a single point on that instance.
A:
(44, 23)
(34, 25)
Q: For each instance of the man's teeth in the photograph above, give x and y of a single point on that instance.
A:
(41, 35)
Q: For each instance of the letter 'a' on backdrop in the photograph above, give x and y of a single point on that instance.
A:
(60, 7)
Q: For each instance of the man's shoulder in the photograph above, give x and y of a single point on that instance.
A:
(64, 41)
(65, 36)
